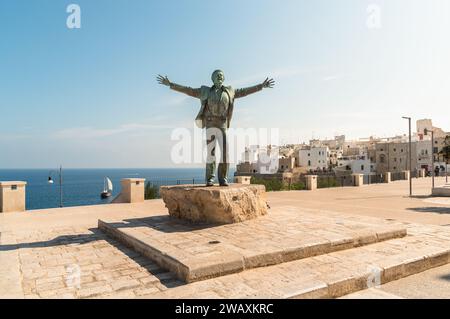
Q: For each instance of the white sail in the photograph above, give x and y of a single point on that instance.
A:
(109, 184)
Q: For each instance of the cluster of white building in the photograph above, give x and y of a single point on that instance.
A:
(362, 156)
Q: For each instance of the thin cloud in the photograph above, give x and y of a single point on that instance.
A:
(276, 74)
(333, 77)
(90, 132)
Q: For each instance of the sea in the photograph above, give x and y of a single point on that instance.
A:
(83, 186)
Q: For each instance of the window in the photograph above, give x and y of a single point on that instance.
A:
(362, 167)
(395, 150)
(401, 150)
(309, 163)
(382, 158)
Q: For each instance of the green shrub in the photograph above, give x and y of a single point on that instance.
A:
(151, 191)
(272, 185)
(298, 186)
(326, 182)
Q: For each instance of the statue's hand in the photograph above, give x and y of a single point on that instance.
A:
(268, 83)
(164, 80)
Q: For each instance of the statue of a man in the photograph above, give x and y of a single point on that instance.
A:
(215, 115)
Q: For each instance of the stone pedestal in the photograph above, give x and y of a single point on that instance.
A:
(242, 180)
(225, 205)
(387, 177)
(421, 173)
(12, 197)
(406, 175)
(358, 180)
(311, 182)
(133, 190)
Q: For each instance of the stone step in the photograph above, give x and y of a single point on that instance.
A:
(442, 191)
(195, 253)
(327, 276)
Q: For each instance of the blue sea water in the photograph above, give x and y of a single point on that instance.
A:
(83, 186)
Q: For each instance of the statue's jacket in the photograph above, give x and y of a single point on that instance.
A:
(202, 93)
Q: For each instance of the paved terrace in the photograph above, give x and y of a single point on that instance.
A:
(37, 248)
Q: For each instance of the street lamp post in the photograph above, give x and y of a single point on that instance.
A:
(446, 171)
(50, 181)
(410, 155)
(432, 155)
(445, 161)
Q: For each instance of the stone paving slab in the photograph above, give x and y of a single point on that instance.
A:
(198, 252)
(371, 293)
(37, 263)
(75, 263)
(328, 276)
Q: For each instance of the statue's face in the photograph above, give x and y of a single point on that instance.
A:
(218, 78)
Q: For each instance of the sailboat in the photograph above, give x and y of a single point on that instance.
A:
(107, 188)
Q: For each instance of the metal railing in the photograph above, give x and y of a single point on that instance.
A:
(373, 179)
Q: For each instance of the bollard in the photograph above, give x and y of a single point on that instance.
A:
(133, 190)
(358, 180)
(12, 196)
(242, 180)
(311, 182)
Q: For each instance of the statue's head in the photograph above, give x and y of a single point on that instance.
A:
(218, 78)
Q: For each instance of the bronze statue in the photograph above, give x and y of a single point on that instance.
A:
(215, 114)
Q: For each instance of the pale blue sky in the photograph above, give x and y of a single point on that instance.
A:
(88, 97)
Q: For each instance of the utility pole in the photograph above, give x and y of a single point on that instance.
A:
(60, 187)
(446, 171)
(432, 154)
(50, 181)
(410, 155)
(432, 157)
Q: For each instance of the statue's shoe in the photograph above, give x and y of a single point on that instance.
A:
(224, 184)
(209, 184)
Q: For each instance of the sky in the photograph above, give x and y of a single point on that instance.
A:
(88, 98)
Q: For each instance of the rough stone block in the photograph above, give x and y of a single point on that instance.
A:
(224, 205)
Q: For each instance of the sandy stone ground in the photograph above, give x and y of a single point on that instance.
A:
(42, 252)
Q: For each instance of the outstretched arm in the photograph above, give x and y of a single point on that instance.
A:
(164, 80)
(268, 83)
